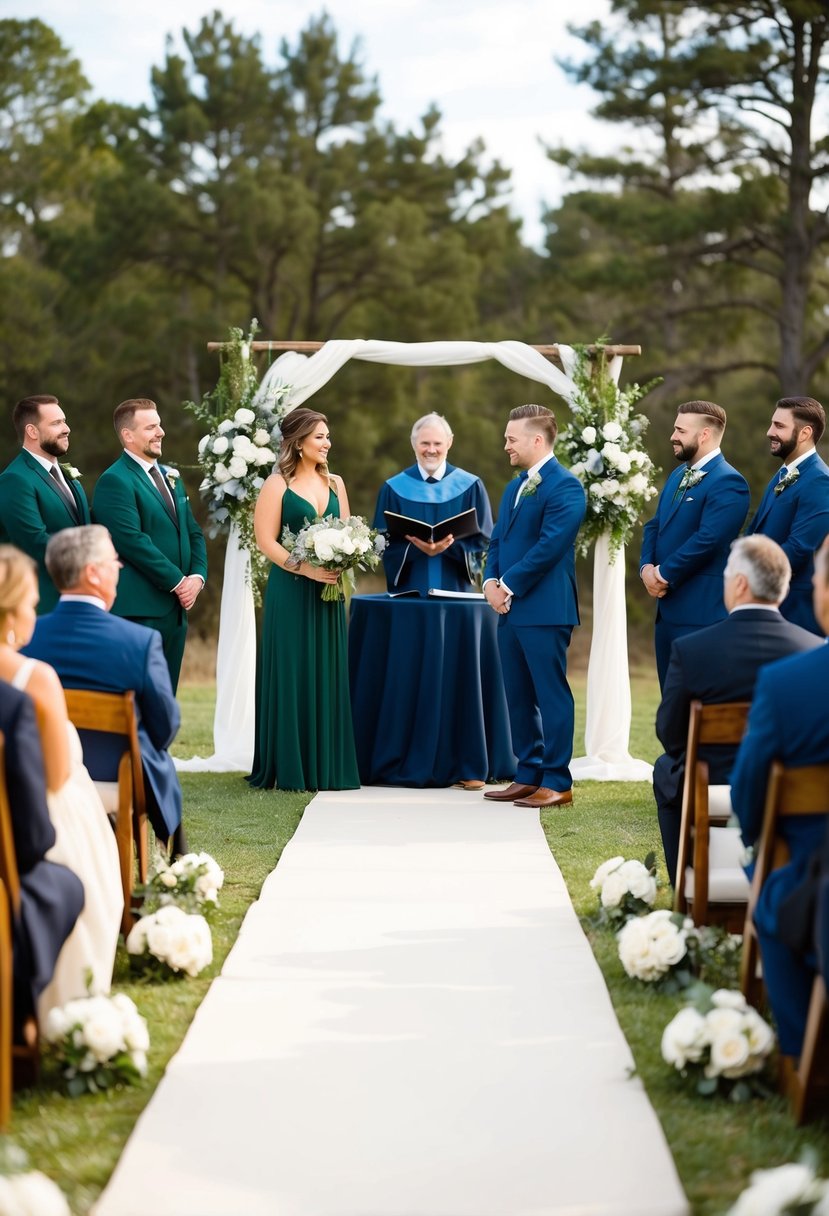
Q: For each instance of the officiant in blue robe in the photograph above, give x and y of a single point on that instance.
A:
(432, 490)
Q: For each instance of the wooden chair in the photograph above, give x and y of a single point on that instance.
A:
(710, 884)
(114, 713)
(790, 791)
(19, 1060)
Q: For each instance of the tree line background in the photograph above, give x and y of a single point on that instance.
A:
(130, 236)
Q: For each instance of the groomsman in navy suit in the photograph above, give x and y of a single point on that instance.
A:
(530, 581)
(794, 509)
(685, 546)
(787, 722)
(40, 492)
(91, 648)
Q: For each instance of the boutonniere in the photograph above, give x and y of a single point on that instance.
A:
(532, 485)
(172, 476)
(691, 478)
(789, 480)
(71, 473)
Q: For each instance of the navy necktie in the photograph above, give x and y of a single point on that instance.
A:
(431, 481)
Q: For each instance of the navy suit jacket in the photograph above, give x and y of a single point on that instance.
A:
(689, 538)
(91, 648)
(533, 548)
(51, 896)
(714, 665)
(787, 722)
(798, 519)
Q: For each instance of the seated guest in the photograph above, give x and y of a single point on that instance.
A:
(90, 648)
(788, 722)
(51, 896)
(433, 490)
(84, 839)
(720, 664)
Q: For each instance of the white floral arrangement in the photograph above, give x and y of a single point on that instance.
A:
(651, 946)
(192, 882)
(625, 888)
(791, 1188)
(603, 446)
(171, 941)
(719, 1042)
(25, 1192)
(100, 1041)
(335, 544)
(240, 448)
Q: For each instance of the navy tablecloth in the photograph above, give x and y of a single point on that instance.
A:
(427, 694)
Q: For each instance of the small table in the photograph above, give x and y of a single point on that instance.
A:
(427, 695)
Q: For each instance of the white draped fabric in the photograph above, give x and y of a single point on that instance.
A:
(235, 672)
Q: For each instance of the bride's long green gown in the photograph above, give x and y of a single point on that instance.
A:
(304, 736)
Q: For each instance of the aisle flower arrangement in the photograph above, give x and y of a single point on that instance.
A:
(25, 1192)
(335, 544)
(667, 950)
(603, 446)
(170, 942)
(719, 1042)
(789, 1190)
(624, 888)
(241, 444)
(99, 1041)
(192, 882)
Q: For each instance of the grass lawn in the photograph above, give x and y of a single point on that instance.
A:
(716, 1144)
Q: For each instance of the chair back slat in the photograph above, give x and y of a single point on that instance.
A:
(8, 855)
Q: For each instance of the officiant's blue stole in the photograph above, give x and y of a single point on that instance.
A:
(415, 489)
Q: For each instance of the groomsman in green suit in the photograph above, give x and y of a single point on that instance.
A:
(39, 495)
(145, 508)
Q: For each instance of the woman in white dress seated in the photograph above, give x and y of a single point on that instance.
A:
(85, 839)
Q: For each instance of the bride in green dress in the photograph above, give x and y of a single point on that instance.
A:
(304, 736)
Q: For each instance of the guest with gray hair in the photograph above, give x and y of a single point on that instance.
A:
(90, 648)
(432, 491)
(720, 664)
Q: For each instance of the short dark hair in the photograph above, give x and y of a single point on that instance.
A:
(28, 410)
(123, 417)
(544, 419)
(708, 409)
(807, 412)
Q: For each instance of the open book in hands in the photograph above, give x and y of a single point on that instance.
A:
(459, 526)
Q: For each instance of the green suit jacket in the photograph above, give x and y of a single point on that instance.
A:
(156, 553)
(31, 510)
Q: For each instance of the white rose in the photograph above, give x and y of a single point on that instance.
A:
(220, 473)
(261, 437)
(56, 1026)
(237, 466)
(10, 1205)
(760, 1034)
(670, 948)
(640, 883)
(612, 431)
(614, 890)
(638, 483)
(623, 463)
(203, 442)
(103, 1031)
(723, 1022)
(607, 867)
(684, 1038)
(635, 951)
(244, 417)
(597, 489)
(729, 1053)
(137, 938)
(577, 469)
(323, 549)
(36, 1195)
(611, 452)
(775, 1191)
(727, 998)
(588, 435)
(139, 1059)
(264, 456)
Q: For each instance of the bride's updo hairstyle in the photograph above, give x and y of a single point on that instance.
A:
(296, 426)
(16, 573)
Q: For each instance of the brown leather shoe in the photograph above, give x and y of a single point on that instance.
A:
(545, 797)
(468, 785)
(510, 793)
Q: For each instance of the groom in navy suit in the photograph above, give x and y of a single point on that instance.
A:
(794, 509)
(91, 648)
(530, 581)
(685, 546)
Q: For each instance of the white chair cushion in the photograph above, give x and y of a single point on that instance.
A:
(719, 802)
(109, 795)
(727, 882)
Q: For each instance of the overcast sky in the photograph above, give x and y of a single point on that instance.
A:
(487, 64)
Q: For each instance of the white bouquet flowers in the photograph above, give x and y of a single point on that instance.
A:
(625, 888)
(179, 941)
(719, 1040)
(780, 1192)
(335, 544)
(651, 946)
(99, 1040)
(192, 882)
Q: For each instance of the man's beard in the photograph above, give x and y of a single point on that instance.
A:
(55, 447)
(688, 453)
(148, 453)
(785, 447)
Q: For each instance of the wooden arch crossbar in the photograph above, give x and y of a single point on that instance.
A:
(549, 352)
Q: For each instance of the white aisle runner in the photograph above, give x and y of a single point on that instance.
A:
(411, 1023)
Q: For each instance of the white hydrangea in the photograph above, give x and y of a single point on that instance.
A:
(612, 431)
(244, 417)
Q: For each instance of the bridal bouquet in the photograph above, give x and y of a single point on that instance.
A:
(171, 940)
(100, 1041)
(625, 888)
(719, 1042)
(192, 883)
(335, 544)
